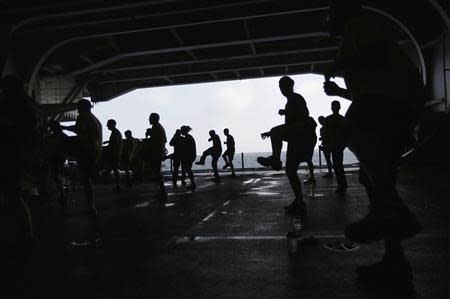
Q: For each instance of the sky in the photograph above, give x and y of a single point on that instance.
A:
(246, 107)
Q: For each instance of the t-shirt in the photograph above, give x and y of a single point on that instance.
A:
(89, 131)
(230, 143)
(189, 150)
(373, 64)
(217, 145)
(332, 130)
(295, 109)
(158, 138)
(115, 143)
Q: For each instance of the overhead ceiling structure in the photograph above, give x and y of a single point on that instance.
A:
(65, 48)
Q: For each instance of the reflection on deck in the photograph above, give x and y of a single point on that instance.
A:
(227, 240)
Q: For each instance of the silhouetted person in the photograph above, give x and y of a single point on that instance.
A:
(387, 97)
(18, 124)
(129, 150)
(214, 151)
(176, 142)
(228, 155)
(158, 142)
(323, 148)
(298, 131)
(333, 130)
(57, 157)
(188, 155)
(86, 147)
(309, 154)
(114, 152)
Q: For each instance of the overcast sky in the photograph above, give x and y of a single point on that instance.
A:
(246, 107)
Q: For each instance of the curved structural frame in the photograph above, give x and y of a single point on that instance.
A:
(44, 57)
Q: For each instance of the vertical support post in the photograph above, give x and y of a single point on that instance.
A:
(242, 161)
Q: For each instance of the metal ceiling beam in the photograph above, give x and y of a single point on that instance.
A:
(211, 60)
(195, 47)
(235, 70)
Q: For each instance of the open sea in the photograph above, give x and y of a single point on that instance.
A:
(250, 160)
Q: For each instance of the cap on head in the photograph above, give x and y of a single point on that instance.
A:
(185, 129)
(128, 133)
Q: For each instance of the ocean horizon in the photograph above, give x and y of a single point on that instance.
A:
(250, 160)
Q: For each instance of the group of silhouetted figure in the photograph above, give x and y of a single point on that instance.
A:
(387, 96)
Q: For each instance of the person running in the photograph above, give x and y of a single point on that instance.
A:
(215, 151)
(228, 155)
(157, 152)
(387, 96)
(86, 147)
(176, 142)
(114, 152)
(130, 148)
(333, 129)
(323, 148)
(300, 134)
(188, 154)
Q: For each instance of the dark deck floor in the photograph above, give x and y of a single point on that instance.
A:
(228, 241)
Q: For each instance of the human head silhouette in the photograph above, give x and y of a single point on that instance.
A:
(335, 106)
(154, 118)
(212, 133)
(111, 124)
(84, 106)
(340, 12)
(178, 132)
(128, 134)
(226, 131)
(185, 129)
(286, 85)
(321, 120)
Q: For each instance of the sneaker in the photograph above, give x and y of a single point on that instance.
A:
(233, 175)
(216, 180)
(226, 166)
(310, 181)
(269, 162)
(192, 187)
(296, 209)
(200, 162)
(396, 223)
(183, 183)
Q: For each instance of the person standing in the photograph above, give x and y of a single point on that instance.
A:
(86, 147)
(188, 155)
(158, 142)
(114, 152)
(323, 148)
(333, 130)
(228, 155)
(176, 143)
(130, 148)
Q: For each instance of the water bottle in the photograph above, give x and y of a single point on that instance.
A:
(294, 235)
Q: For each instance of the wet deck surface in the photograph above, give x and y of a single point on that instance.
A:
(228, 241)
